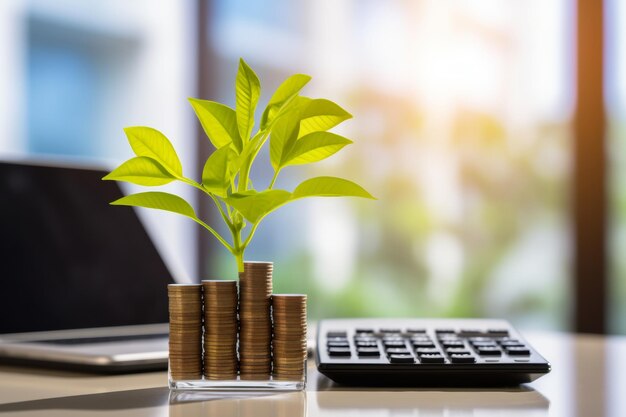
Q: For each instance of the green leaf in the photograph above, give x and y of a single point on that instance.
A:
(141, 171)
(249, 149)
(217, 171)
(167, 202)
(219, 123)
(151, 143)
(283, 94)
(315, 147)
(329, 187)
(256, 205)
(158, 200)
(247, 93)
(321, 115)
(283, 137)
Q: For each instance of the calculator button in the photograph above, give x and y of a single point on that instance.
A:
(364, 339)
(452, 343)
(498, 332)
(471, 332)
(363, 330)
(460, 351)
(367, 344)
(401, 358)
(394, 343)
(431, 358)
(422, 338)
(517, 351)
(338, 344)
(462, 358)
(511, 342)
(444, 331)
(481, 340)
(509, 345)
(489, 351)
(333, 334)
(484, 344)
(426, 351)
(398, 351)
(423, 345)
(368, 351)
(393, 339)
(415, 330)
(339, 351)
(390, 330)
(336, 339)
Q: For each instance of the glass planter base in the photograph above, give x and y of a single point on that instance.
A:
(272, 383)
(237, 385)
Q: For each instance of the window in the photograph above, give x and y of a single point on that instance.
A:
(462, 130)
(615, 96)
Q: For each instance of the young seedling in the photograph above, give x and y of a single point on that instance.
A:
(297, 129)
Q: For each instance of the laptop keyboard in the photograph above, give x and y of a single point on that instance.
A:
(101, 339)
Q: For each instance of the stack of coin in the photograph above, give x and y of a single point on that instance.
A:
(185, 304)
(220, 329)
(289, 339)
(255, 291)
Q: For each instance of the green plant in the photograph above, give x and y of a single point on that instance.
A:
(297, 128)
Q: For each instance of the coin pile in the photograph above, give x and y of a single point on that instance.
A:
(255, 291)
(289, 340)
(220, 329)
(185, 343)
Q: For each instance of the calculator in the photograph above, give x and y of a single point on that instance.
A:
(426, 352)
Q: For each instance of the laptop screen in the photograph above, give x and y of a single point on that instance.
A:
(68, 259)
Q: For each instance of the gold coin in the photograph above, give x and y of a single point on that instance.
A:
(183, 343)
(221, 329)
(222, 359)
(286, 340)
(264, 344)
(285, 371)
(184, 288)
(288, 349)
(295, 370)
(255, 367)
(289, 336)
(254, 376)
(221, 365)
(301, 328)
(286, 360)
(291, 356)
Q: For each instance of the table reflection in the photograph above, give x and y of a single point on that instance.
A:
(514, 402)
(240, 404)
(328, 398)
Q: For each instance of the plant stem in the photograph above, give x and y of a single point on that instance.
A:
(239, 249)
(235, 232)
(214, 233)
(239, 258)
(249, 238)
(219, 207)
(244, 174)
(247, 165)
(215, 200)
(273, 179)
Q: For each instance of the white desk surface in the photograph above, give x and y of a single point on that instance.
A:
(588, 378)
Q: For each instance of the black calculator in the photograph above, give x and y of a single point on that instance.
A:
(426, 352)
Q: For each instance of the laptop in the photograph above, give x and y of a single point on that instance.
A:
(82, 286)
